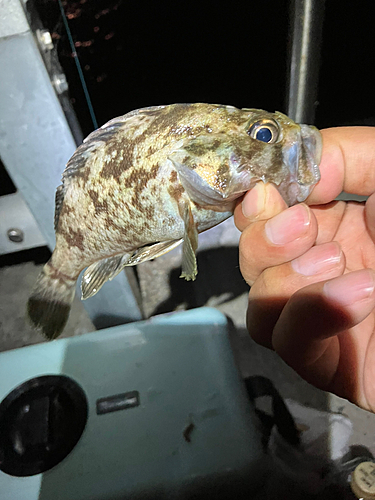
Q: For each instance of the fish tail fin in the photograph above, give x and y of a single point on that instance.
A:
(49, 304)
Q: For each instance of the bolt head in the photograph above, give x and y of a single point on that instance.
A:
(60, 83)
(45, 39)
(15, 235)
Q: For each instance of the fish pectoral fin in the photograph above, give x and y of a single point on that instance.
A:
(98, 273)
(152, 251)
(189, 269)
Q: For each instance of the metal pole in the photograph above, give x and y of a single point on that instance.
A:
(306, 21)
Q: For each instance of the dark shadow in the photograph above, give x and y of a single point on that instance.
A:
(38, 255)
(107, 320)
(6, 184)
(218, 275)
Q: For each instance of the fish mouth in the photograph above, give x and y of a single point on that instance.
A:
(302, 157)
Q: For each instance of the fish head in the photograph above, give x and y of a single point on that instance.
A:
(291, 154)
(242, 147)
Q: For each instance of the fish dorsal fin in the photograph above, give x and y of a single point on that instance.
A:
(106, 269)
(135, 120)
(96, 140)
(59, 198)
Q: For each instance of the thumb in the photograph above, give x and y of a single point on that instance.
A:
(262, 202)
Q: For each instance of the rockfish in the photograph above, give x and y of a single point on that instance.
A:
(154, 178)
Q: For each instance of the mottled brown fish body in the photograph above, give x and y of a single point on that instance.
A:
(88, 232)
(154, 178)
(127, 194)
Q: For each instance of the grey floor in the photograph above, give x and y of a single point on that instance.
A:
(219, 284)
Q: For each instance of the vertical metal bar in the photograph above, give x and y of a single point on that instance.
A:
(306, 22)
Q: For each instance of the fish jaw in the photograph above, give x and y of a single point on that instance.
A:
(301, 155)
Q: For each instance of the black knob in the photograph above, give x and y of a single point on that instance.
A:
(40, 423)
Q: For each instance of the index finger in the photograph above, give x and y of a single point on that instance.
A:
(348, 164)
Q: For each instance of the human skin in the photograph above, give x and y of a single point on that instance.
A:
(311, 270)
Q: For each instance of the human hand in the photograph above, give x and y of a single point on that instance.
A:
(311, 270)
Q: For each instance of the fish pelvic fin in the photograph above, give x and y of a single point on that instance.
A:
(189, 269)
(152, 251)
(49, 304)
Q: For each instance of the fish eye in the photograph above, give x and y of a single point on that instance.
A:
(264, 131)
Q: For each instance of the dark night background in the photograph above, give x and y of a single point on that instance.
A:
(137, 53)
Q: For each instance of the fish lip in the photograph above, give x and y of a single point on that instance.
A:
(312, 142)
(302, 155)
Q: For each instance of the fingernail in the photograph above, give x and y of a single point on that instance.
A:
(254, 202)
(288, 225)
(350, 288)
(318, 259)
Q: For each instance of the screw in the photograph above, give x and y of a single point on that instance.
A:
(15, 235)
(60, 83)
